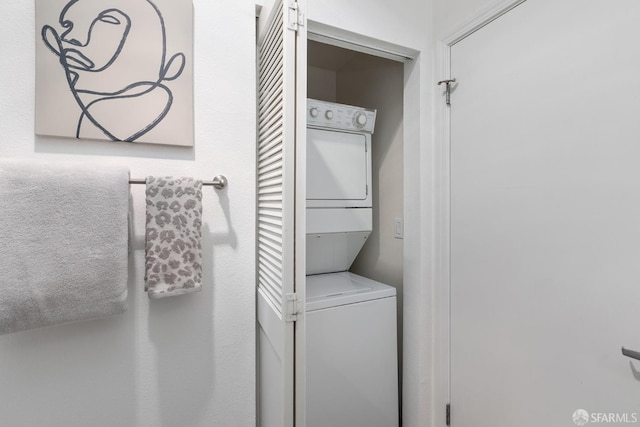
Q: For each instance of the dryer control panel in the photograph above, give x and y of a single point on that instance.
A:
(339, 116)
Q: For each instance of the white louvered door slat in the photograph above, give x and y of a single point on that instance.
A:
(279, 99)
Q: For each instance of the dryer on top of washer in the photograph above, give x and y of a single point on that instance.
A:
(338, 155)
(339, 213)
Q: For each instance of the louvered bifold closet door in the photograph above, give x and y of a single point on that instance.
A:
(275, 169)
(275, 217)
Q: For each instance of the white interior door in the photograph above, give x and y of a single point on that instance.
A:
(280, 214)
(545, 217)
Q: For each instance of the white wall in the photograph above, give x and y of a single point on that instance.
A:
(184, 361)
(453, 13)
(402, 22)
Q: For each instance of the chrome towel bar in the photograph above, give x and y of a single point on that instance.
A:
(219, 182)
(630, 353)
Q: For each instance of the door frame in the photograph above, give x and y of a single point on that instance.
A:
(442, 208)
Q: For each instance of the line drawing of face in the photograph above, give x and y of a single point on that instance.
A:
(113, 53)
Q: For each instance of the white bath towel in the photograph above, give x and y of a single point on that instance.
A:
(63, 255)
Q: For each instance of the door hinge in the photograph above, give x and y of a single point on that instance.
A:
(295, 17)
(448, 415)
(293, 307)
(447, 90)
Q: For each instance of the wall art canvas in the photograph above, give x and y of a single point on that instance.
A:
(120, 70)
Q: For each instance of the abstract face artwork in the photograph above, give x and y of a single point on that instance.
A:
(115, 69)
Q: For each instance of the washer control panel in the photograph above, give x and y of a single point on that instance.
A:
(340, 116)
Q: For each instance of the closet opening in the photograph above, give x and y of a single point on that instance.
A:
(348, 77)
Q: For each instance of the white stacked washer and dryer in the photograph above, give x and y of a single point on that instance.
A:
(351, 320)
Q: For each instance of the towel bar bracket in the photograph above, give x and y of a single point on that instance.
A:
(219, 182)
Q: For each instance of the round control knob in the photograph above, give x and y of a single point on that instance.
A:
(360, 119)
(329, 114)
(313, 112)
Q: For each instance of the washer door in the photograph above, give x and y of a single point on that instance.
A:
(338, 169)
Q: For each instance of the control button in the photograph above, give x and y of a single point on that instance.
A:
(329, 114)
(360, 119)
(313, 112)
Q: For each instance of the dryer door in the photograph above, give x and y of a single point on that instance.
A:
(338, 169)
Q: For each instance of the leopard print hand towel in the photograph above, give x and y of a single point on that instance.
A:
(173, 250)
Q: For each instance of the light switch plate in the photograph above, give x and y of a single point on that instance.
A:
(398, 228)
